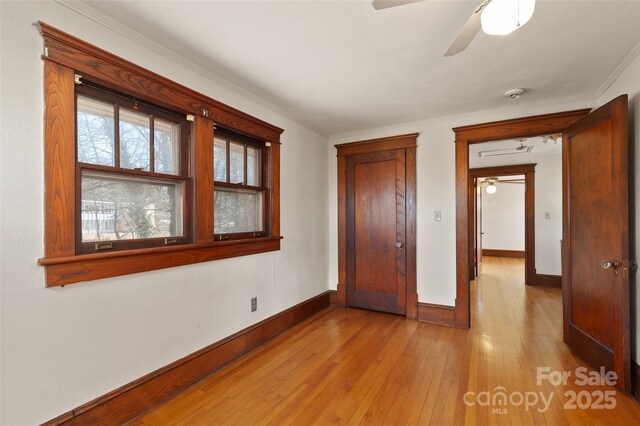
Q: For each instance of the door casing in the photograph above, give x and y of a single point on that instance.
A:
(528, 170)
(538, 125)
(407, 142)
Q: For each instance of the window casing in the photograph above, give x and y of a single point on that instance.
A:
(177, 179)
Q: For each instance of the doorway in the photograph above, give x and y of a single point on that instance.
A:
(482, 133)
(493, 174)
(377, 225)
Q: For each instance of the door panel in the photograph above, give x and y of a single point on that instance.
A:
(375, 223)
(596, 229)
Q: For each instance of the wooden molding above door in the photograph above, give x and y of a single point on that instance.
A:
(508, 129)
(407, 142)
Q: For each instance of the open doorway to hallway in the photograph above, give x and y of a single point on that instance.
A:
(515, 200)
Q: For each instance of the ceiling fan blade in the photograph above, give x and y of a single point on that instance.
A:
(385, 4)
(468, 32)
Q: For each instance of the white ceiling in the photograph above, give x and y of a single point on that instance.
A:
(342, 66)
(539, 149)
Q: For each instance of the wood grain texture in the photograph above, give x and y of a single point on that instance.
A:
(352, 366)
(485, 132)
(596, 228)
(515, 254)
(333, 297)
(437, 314)
(635, 371)
(59, 160)
(376, 214)
(138, 396)
(202, 146)
(69, 270)
(537, 125)
(380, 144)
(546, 280)
(119, 74)
(408, 144)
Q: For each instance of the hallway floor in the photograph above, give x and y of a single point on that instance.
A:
(351, 366)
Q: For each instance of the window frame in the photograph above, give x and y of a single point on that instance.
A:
(118, 101)
(229, 137)
(68, 60)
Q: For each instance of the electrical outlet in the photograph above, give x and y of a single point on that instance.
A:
(254, 304)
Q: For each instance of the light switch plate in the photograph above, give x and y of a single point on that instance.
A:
(547, 215)
(437, 216)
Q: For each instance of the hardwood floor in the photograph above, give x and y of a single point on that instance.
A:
(350, 366)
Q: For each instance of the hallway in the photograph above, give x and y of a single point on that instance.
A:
(361, 367)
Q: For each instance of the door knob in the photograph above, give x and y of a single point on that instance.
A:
(607, 264)
(399, 244)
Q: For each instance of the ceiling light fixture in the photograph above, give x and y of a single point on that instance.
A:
(491, 187)
(502, 17)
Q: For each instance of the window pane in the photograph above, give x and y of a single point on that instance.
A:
(95, 128)
(121, 208)
(253, 166)
(220, 159)
(237, 210)
(134, 140)
(166, 144)
(236, 160)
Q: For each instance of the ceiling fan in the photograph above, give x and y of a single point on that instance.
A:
(495, 17)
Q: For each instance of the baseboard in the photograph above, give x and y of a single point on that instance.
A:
(635, 379)
(516, 254)
(437, 314)
(333, 297)
(132, 399)
(543, 280)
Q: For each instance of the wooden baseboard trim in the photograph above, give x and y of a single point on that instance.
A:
(516, 254)
(437, 314)
(333, 297)
(635, 379)
(132, 399)
(544, 280)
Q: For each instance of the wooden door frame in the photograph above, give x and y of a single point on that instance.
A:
(538, 125)
(528, 170)
(407, 142)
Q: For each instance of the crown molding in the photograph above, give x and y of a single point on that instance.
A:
(622, 67)
(100, 18)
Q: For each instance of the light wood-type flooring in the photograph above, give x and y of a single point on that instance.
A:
(352, 366)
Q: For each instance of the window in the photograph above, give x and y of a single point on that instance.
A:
(238, 188)
(137, 177)
(131, 171)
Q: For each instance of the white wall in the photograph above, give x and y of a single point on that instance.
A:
(61, 347)
(629, 83)
(503, 217)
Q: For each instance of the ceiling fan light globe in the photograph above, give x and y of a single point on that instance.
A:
(491, 189)
(502, 17)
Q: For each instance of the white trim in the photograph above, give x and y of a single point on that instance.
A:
(98, 17)
(635, 52)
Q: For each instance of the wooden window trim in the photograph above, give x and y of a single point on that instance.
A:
(64, 57)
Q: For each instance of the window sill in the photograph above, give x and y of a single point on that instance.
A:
(61, 271)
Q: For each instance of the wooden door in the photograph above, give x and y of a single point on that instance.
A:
(596, 239)
(376, 217)
(478, 227)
